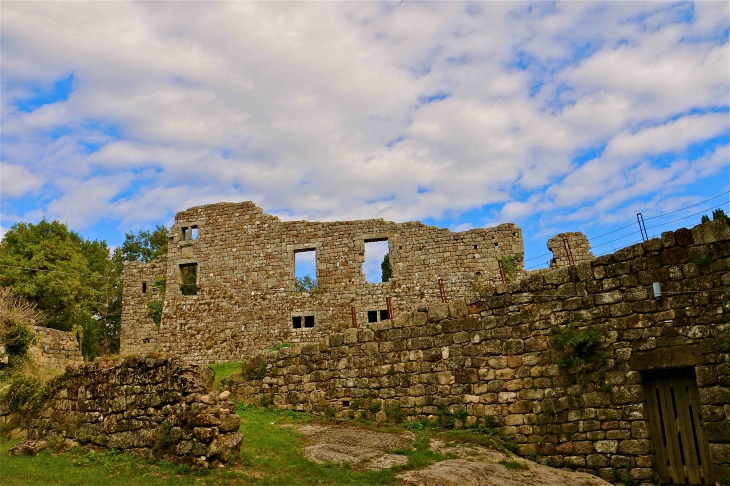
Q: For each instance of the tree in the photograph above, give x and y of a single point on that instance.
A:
(74, 282)
(145, 245)
(385, 268)
(305, 284)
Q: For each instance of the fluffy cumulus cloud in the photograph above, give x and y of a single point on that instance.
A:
(461, 114)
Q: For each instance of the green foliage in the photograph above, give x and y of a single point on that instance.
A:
(705, 219)
(22, 390)
(374, 406)
(18, 339)
(510, 264)
(189, 277)
(447, 418)
(385, 268)
(77, 281)
(583, 342)
(305, 284)
(254, 368)
(161, 284)
(145, 245)
(627, 479)
(281, 346)
(154, 310)
(396, 413)
(514, 465)
(719, 214)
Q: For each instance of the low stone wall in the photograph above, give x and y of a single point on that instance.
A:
(495, 355)
(144, 405)
(55, 349)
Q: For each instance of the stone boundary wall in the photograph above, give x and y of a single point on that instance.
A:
(494, 355)
(143, 405)
(55, 349)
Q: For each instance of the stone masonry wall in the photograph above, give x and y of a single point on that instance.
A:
(494, 355)
(576, 243)
(142, 283)
(245, 271)
(143, 405)
(55, 349)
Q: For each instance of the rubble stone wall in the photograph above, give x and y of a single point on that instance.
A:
(245, 273)
(142, 284)
(494, 355)
(55, 349)
(143, 405)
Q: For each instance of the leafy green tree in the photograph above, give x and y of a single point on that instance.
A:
(386, 270)
(145, 245)
(719, 214)
(72, 281)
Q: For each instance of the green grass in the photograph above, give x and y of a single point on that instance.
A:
(224, 370)
(514, 465)
(271, 454)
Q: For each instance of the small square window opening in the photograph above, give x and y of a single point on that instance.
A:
(384, 314)
(296, 322)
(308, 321)
(372, 316)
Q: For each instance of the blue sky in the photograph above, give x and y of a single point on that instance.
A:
(556, 116)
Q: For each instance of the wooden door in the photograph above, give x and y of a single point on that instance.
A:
(681, 448)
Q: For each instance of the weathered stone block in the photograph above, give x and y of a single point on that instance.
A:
(438, 312)
(457, 308)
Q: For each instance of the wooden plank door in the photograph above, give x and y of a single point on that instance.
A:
(681, 448)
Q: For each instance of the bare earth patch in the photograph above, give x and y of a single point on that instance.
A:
(480, 466)
(473, 465)
(360, 447)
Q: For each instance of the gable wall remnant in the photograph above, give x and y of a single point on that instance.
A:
(495, 355)
(245, 275)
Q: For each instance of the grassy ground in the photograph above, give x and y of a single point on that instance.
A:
(224, 370)
(271, 454)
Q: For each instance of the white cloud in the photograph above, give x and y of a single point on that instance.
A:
(313, 110)
(16, 180)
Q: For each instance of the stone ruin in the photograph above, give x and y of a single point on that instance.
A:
(240, 262)
(461, 326)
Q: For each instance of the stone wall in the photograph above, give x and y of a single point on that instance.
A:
(495, 355)
(55, 349)
(245, 273)
(143, 405)
(569, 249)
(142, 283)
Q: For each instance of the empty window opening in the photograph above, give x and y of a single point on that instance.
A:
(377, 261)
(189, 279)
(476, 246)
(308, 321)
(193, 232)
(305, 270)
(185, 233)
(144, 287)
(345, 403)
(496, 245)
(296, 322)
(372, 316)
(384, 315)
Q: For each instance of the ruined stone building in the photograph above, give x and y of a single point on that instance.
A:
(240, 263)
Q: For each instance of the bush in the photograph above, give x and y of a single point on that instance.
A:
(22, 390)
